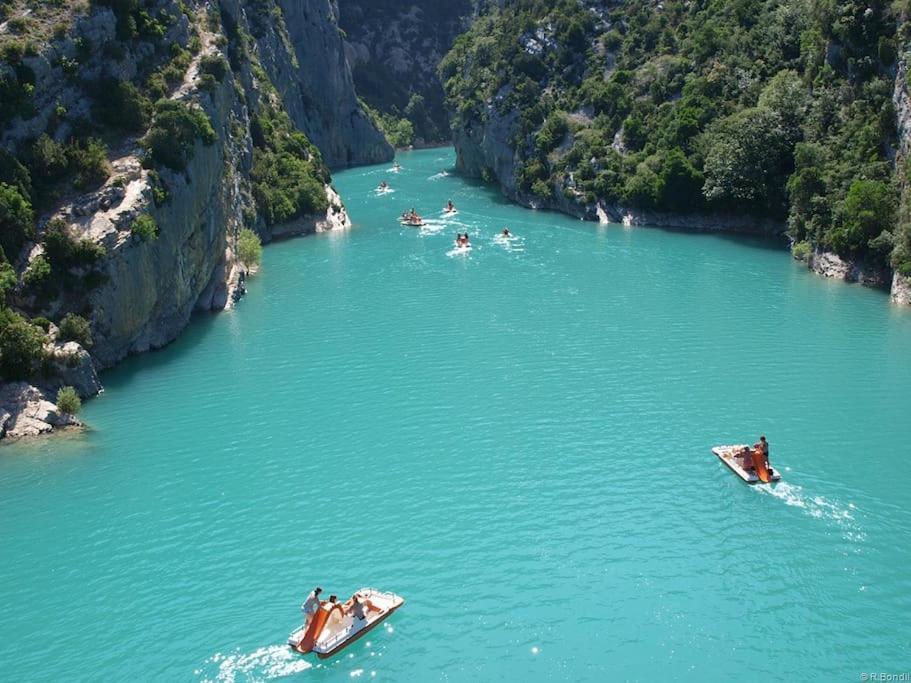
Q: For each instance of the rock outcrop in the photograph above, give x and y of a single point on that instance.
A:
(901, 289)
(25, 411)
(829, 264)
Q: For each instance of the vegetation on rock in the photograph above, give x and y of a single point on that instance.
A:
(68, 401)
(249, 248)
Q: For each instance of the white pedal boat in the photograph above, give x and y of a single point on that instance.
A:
(334, 626)
(730, 456)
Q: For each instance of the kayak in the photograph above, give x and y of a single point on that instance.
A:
(334, 626)
(730, 456)
(412, 224)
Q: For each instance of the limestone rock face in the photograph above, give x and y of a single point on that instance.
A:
(901, 289)
(305, 59)
(73, 367)
(24, 411)
(829, 264)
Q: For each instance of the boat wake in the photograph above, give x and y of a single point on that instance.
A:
(458, 251)
(437, 176)
(265, 664)
(815, 506)
(511, 243)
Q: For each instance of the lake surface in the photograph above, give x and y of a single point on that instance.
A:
(517, 440)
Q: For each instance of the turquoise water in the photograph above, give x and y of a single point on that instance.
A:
(516, 440)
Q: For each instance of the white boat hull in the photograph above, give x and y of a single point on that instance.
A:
(729, 455)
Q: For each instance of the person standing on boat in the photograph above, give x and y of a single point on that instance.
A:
(311, 604)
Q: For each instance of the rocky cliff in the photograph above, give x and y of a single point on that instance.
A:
(255, 70)
(309, 67)
(394, 48)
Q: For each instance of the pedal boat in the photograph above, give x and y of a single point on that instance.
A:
(333, 628)
(730, 456)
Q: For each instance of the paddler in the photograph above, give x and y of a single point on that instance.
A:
(506, 232)
(450, 207)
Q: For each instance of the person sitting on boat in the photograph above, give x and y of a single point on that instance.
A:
(365, 602)
(311, 604)
(383, 185)
(747, 456)
(506, 232)
(450, 207)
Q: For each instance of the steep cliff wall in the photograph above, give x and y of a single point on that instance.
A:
(394, 48)
(308, 65)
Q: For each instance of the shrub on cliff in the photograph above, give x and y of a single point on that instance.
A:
(120, 105)
(249, 248)
(16, 220)
(88, 162)
(215, 66)
(8, 280)
(38, 274)
(145, 228)
(68, 401)
(76, 328)
(176, 127)
(21, 346)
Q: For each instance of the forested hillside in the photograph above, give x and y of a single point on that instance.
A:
(777, 109)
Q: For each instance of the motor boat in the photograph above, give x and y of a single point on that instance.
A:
(733, 457)
(336, 625)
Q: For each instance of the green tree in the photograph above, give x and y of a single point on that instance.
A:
(144, 227)
(16, 220)
(68, 401)
(679, 182)
(868, 210)
(747, 159)
(249, 248)
(21, 346)
(8, 280)
(176, 127)
(76, 328)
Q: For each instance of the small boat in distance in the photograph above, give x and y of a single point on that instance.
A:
(336, 625)
(396, 167)
(734, 456)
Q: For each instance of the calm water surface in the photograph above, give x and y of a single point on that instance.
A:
(516, 440)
